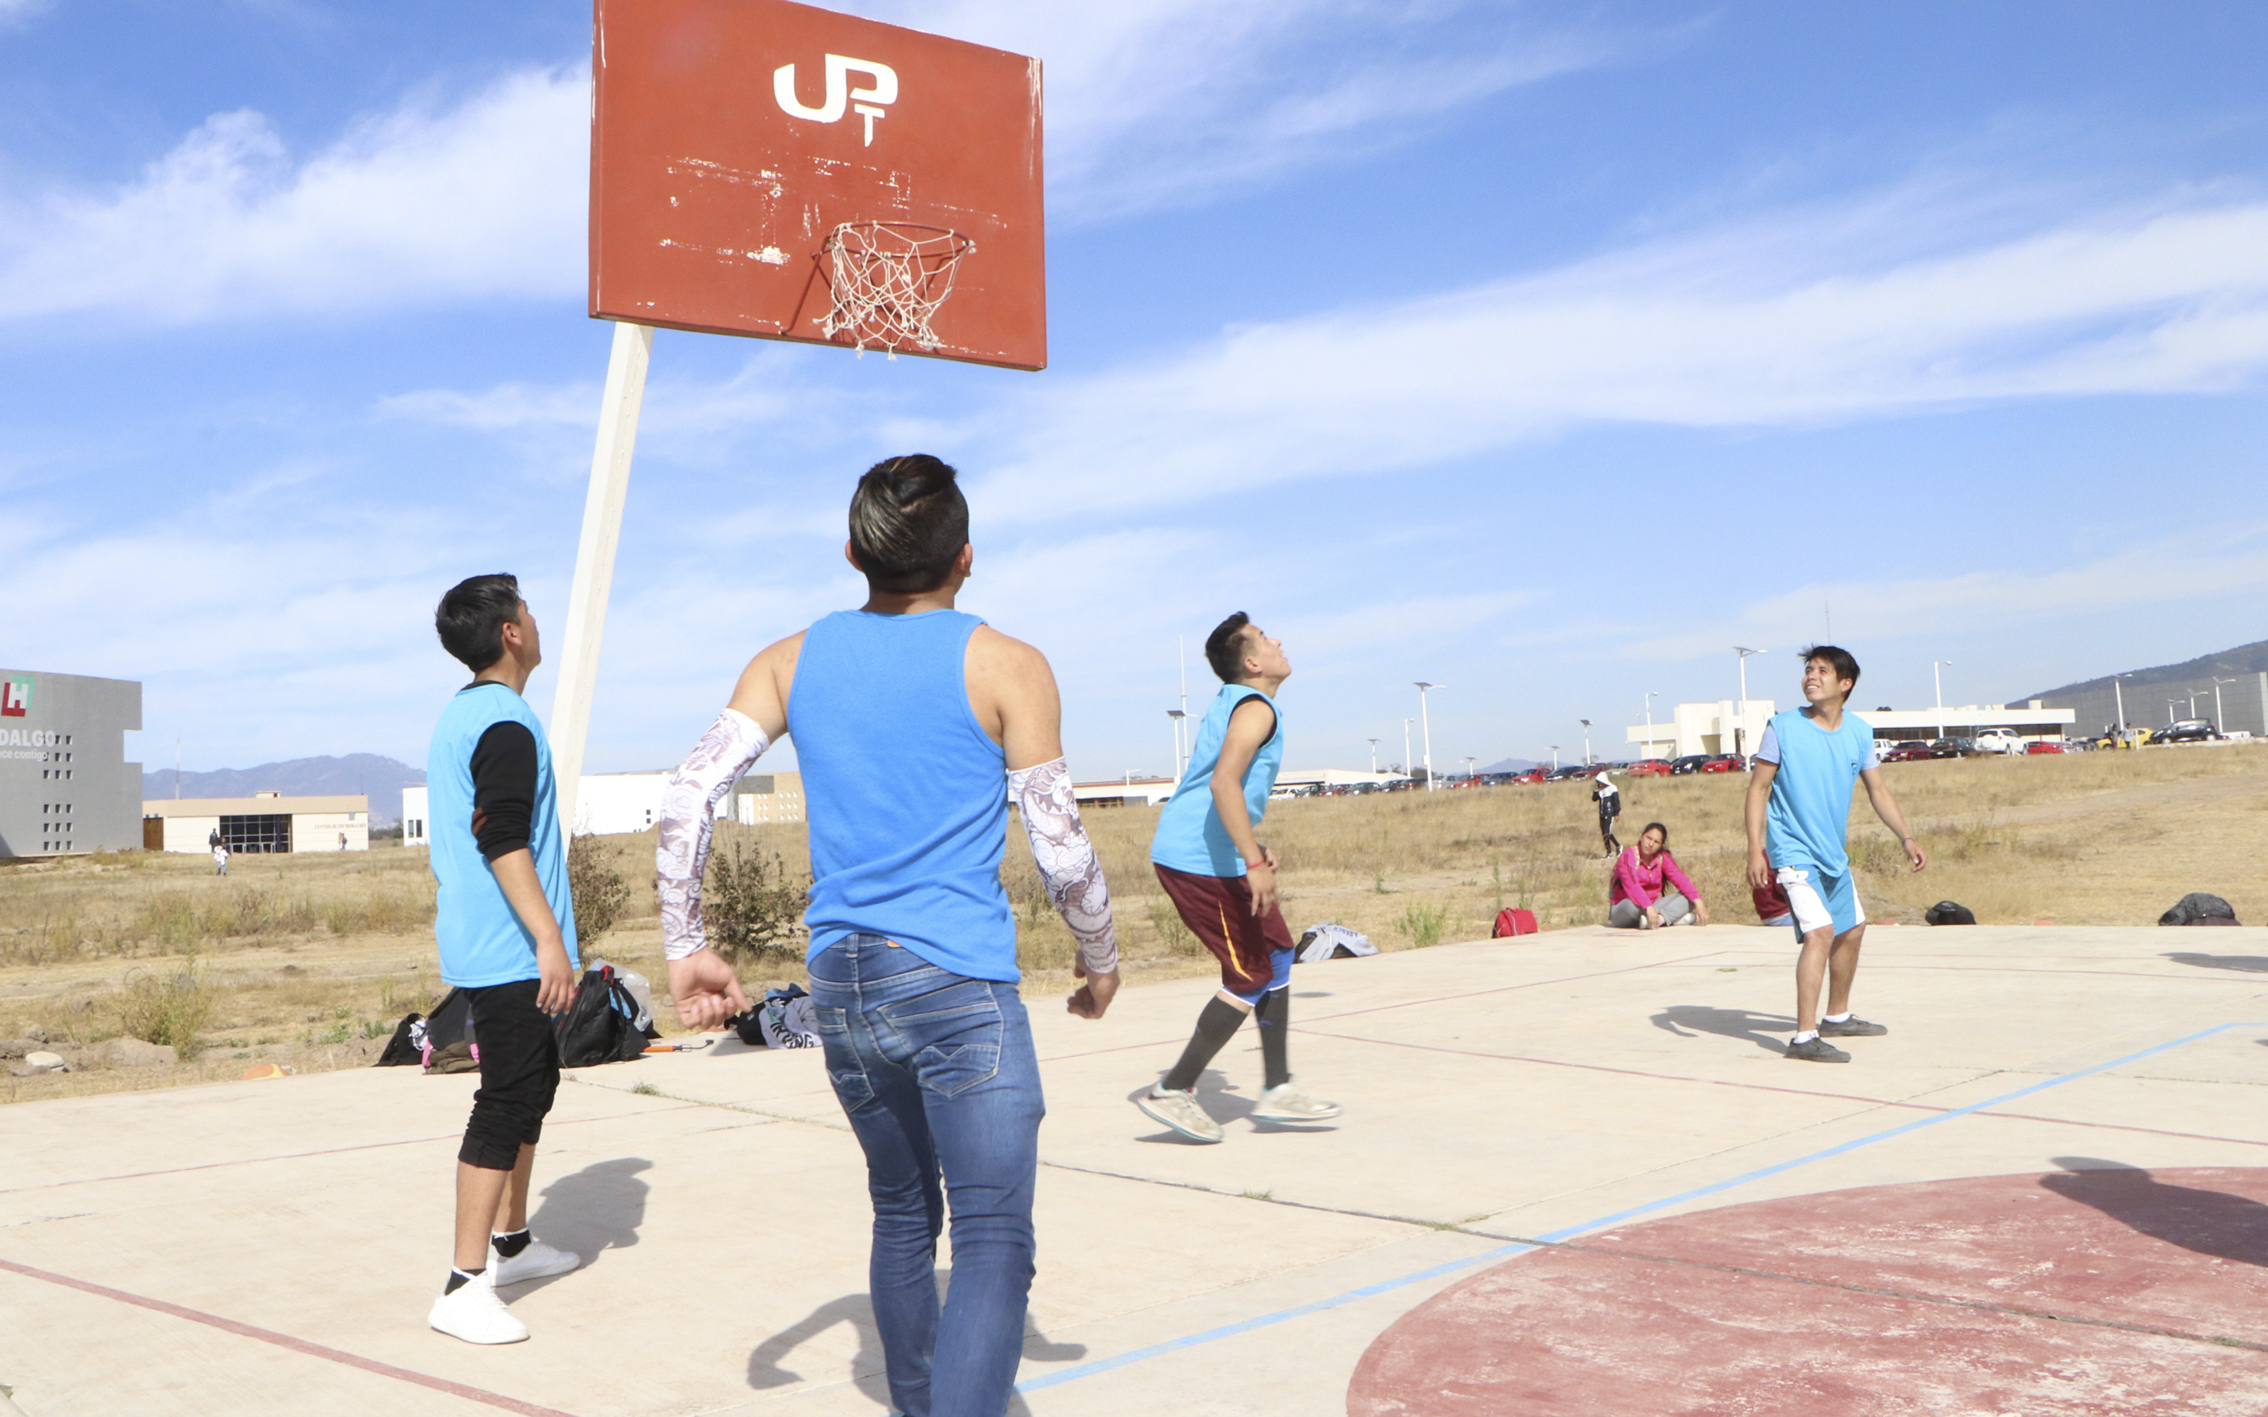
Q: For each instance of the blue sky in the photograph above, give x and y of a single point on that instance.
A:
(1542, 351)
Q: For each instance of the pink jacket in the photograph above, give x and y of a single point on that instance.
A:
(1636, 881)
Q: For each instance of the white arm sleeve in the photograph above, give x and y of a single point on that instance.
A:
(688, 818)
(1066, 859)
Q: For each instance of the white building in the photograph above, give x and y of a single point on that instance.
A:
(608, 803)
(1133, 791)
(264, 823)
(1730, 727)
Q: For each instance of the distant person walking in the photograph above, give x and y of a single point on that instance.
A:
(1223, 883)
(1798, 817)
(1609, 798)
(916, 725)
(1649, 891)
(220, 857)
(504, 921)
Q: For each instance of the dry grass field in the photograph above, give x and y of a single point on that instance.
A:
(309, 960)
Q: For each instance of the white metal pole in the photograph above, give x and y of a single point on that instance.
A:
(1373, 757)
(1586, 741)
(1425, 715)
(594, 561)
(1937, 677)
(1406, 747)
(2118, 692)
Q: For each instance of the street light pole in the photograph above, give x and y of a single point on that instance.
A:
(1406, 747)
(1938, 679)
(1555, 757)
(1651, 694)
(2118, 694)
(1373, 757)
(2220, 724)
(1180, 760)
(1425, 715)
(1586, 740)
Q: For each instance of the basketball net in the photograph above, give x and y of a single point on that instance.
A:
(888, 278)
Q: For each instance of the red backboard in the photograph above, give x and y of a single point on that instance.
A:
(731, 138)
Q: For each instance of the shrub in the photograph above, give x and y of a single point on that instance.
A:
(751, 906)
(167, 1011)
(1423, 923)
(1172, 933)
(598, 889)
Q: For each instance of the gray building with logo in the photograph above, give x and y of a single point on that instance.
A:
(65, 785)
(2230, 688)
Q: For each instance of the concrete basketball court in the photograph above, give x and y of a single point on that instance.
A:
(2041, 1193)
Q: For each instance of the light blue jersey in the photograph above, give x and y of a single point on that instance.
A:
(481, 938)
(1807, 822)
(906, 794)
(1190, 835)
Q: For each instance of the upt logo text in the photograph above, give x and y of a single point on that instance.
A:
(867, 102)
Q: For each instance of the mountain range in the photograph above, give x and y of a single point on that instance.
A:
(2244, 659)
(381, 779)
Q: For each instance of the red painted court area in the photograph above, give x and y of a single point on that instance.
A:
(2099, 1288)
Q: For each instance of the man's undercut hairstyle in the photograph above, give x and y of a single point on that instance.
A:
(1224, 648)
(1838, 659)
(472, 616)
(908, 522)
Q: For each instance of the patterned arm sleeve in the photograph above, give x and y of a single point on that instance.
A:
(1066, 859)
(688, 818)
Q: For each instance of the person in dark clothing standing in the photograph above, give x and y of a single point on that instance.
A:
(505, 924)
(1609, 798)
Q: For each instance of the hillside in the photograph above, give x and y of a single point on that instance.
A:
(2228, 663)
(381, 778)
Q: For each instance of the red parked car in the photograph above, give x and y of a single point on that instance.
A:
(1534, 774)
(2044, 745)
(1726, 762)
(1913, 750)
(1649, 767)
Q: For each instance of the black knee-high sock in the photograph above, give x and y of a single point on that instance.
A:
(1274, 1015)
(1215, 1026)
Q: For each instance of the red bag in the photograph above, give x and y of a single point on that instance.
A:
(1513, 922)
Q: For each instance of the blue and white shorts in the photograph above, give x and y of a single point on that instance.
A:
(1833, 900)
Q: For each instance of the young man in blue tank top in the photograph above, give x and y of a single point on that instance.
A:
(504, 921)
(1223, 882)
(915, 727)
(1798, 817)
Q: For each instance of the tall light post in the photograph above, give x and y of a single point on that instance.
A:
(1406, 747)
(1469, 768)
(1555, 757)
(1425, 716)
(1373, 757)
(1586, 740)
(2220, 724)
(1651, 695)
(2118, 694)
(1180, 757)
(1938, 679)
(1740, 729)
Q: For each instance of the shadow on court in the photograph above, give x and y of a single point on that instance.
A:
(2244, 964)
(1692, 1020)
(597, 1208)
(2208, 1222)
(765, 1363)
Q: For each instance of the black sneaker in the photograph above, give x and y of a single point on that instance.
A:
(1818, 1050)
(1853, 1027)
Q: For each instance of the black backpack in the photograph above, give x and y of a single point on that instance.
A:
(1949, 912)
(601, 1026)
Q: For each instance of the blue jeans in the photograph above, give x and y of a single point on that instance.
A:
(937, 1074)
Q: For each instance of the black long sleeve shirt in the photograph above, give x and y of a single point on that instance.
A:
(504, 789)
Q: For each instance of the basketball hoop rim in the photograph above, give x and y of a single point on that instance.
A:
(964, 245)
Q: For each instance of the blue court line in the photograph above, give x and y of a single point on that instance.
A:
(1503, 1252)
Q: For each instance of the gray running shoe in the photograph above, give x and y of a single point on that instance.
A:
(1178, 1110)
(1289, 1104)
(1818, 1050)
(1852, 1027)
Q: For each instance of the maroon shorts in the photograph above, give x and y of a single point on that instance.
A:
(1218, 910)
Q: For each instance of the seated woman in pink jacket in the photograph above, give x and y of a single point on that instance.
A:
(1649, 890)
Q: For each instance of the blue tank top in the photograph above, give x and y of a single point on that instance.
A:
(1807, 821)
(906, 796)
(1190, 835)
(481, 939)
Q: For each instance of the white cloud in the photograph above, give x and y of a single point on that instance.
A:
(2201, 567)
(426, 205)
(1712, 332)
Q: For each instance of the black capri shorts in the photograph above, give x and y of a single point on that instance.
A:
(519, 1074)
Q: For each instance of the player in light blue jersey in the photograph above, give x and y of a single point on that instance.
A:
(1799, 809)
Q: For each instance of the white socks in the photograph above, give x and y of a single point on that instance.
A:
(1805, 1037)
(1843, 1017)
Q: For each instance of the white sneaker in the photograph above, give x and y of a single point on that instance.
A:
(537, 1261)
(474, 1314)
(1289, 1104)
(1178, 1110)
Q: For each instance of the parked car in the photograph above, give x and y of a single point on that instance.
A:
(1571, 770)
(2187, 730)
(2042, 746)
(1999, 740)
(1691, 762)
(1535, 774)
(1650, 767)
(1952, 748)
(1726, 762)
(1912, 750)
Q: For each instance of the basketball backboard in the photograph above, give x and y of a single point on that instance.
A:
(732, 140)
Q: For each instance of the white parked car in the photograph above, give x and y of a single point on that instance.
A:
(1999, 740)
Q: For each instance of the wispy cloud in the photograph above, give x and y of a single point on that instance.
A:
(431, 203)
(1715, 331)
